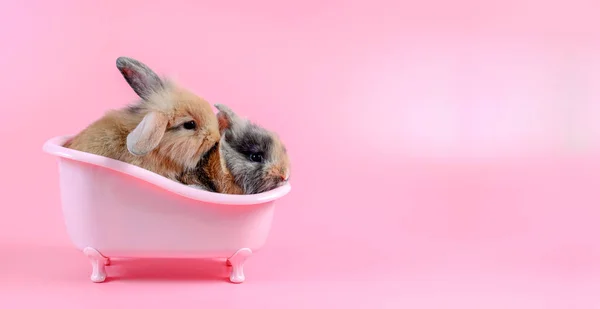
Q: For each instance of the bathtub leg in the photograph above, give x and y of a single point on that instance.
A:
(237, 265)
(98, 264)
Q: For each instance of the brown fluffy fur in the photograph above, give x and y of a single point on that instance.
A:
(215, 169)
(178, 151)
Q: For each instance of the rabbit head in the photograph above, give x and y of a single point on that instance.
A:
(255, 157)
(175, 124)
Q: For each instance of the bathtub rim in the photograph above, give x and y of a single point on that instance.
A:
(54, 147)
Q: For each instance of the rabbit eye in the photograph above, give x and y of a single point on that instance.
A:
(256, 157)
(190, 125)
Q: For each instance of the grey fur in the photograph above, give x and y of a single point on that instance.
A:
(241, 139)
(135, 108)
(140, 77)
(200, 187)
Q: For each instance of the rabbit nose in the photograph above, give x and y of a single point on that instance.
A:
(280, 173)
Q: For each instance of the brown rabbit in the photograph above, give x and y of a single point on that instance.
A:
(166, 132)
(247, 160)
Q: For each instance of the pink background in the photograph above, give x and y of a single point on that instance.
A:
(445, 153)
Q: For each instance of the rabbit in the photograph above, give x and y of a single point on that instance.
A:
(167, 132)
(247, 160)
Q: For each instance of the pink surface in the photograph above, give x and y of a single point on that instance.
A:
(445, 154)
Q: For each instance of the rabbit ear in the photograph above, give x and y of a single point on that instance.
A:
(148, 133)
(227, 118)
(140, 77)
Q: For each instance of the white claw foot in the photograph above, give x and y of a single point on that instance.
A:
(99, 262)
(237, 263)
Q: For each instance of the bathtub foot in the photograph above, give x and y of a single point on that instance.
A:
(99, 262)
(237, 265)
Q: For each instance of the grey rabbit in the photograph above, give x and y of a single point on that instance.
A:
(248, 159)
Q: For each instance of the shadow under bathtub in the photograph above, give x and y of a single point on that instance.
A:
(156, 269)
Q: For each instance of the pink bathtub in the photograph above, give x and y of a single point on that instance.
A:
(117, 210)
